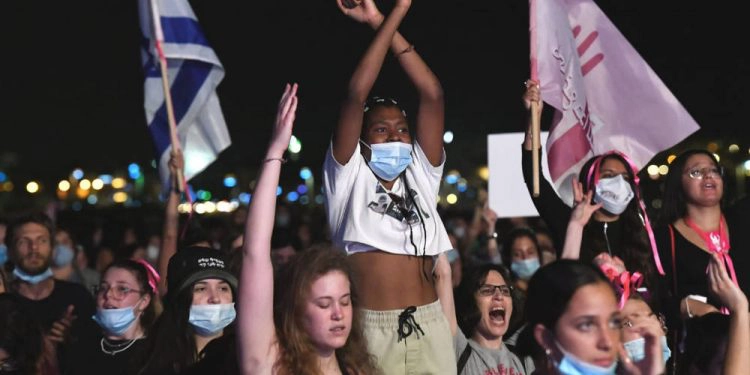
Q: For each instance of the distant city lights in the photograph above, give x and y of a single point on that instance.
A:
(230, 181)
(84, 184)
(451, 198)
(118, 182)
(305, 173)
(32, 187)
(448, 137)
(120, 197)
(134, 171)
(295, 146)
(97, 184)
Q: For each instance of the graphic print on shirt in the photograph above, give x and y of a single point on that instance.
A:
(400, 208)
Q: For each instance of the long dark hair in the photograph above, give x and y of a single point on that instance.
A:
(298, 355)
(674, 202)
(635, 245)
(171, 347)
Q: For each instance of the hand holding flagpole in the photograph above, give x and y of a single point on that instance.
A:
(532, 101)
(535, 104)
(159, 40)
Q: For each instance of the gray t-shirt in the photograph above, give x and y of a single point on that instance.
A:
(483, 361)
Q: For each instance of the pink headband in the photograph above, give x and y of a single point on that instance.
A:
(594, 169)
(153, 276)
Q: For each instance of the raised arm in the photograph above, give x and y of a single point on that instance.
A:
(551, 208)
(171, 220)
(582, 211)
(737, 358)
(349, 127)
(258, 350)
(444, 290)
(431, 115)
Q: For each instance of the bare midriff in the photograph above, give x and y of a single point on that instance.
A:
(386, 281)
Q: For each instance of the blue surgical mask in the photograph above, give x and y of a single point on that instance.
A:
(63, 255)
(115, 321)
(208, 320)
(32, 279)
(3, 254)
(388, 160)
(570, 365)
(637, 349)
(524, 269)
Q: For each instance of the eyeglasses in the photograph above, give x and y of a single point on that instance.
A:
(488, 290)
(118, 291)
(702, 173)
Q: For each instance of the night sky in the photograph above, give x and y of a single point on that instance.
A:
(72, 80)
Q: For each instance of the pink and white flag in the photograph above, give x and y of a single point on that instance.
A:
(605, 95)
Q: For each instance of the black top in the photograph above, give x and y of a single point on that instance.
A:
(691, 261)
(218, 357)
(88, 357)
(556, 214)
(48, 310)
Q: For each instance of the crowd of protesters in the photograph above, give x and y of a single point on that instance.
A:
(382, 281)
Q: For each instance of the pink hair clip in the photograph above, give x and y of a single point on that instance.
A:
(153, 276)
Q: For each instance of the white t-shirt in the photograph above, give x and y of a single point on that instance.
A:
(364, 216)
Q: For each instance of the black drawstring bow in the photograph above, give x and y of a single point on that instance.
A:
(407, 324)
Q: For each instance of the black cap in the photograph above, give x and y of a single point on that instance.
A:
(196, 263)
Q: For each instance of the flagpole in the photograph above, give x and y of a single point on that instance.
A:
(535, 118)
(159, 36)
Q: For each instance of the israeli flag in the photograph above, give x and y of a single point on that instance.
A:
(194, 71)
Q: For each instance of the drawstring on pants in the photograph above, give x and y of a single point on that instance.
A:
(407, 324)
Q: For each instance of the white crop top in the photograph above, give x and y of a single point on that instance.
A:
(364, 216)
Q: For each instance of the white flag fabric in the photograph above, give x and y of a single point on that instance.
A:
(194, 72)
(605, 95)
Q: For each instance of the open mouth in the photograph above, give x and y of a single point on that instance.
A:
(497, 314)
(338, 330)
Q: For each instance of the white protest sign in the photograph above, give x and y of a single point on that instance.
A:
(508, 195)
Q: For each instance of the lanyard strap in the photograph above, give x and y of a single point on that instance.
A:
(594, 172)
(717, 242)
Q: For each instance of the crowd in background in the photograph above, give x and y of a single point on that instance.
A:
(380, 279)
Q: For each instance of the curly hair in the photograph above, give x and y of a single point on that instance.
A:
(298, 354)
